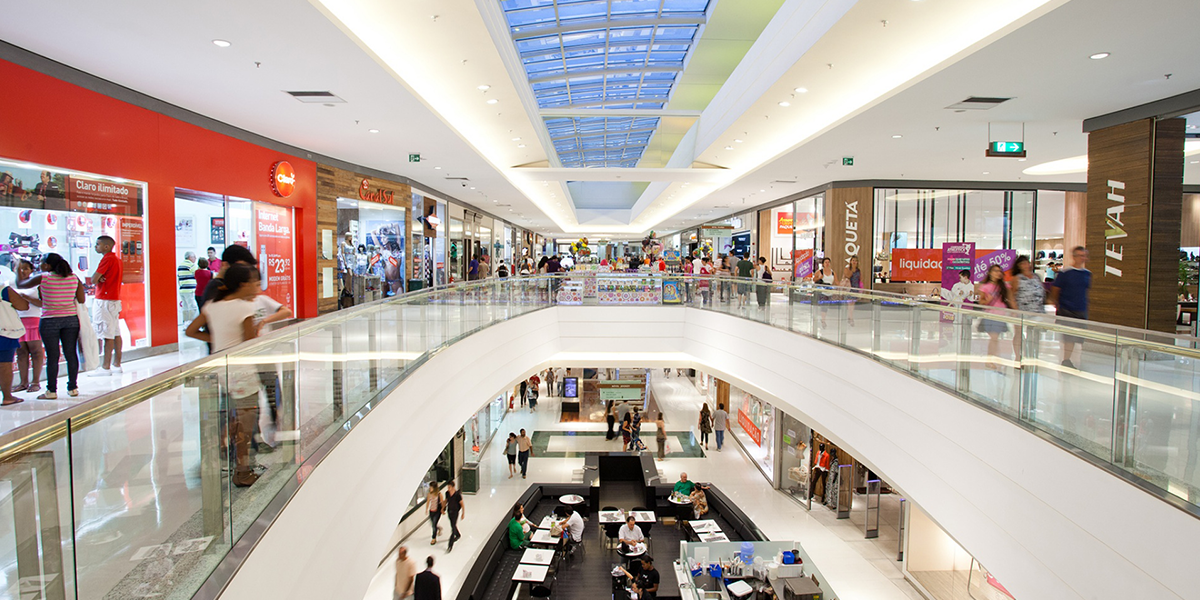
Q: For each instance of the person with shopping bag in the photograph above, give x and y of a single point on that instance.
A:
(11, 332)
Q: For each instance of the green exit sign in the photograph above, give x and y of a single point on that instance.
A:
(847, 161)
(414, 158)
(1016, 149)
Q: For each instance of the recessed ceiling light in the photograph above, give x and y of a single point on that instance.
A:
(987, 173)
(484, 88)
(897, 136)
(729, 147)
(372, 131)
(801, 90)
(472, 187)
(785, 104)
(762, 190)
(737, 141)
(221, 43)
(437, 168)
(520, 145)
(516, 139)
(1099, 55)
(1195, 162)
(1022, 159)
(492, 101)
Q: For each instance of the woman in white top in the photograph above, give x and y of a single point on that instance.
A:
(230, 321)
(824, 276)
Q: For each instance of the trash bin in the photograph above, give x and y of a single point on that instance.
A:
(468, 478)
(416, 284)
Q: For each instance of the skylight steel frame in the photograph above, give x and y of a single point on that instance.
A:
(611, 77)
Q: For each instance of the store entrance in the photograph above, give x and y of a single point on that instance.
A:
(207, 223)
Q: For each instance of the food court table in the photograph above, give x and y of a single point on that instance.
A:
(547, 522)
(533, 556)
(542, 536)
(644, 516)
(612, 516)
(530, 574)
(713, 537)
(572, 500)
(683, 509)
(705, 526)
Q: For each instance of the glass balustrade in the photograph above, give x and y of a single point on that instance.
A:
(144, 491)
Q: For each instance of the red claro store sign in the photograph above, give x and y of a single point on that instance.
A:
(379, 195)
(283, 179)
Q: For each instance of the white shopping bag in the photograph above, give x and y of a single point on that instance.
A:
(89, 343)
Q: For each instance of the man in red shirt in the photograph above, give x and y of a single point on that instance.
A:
(106, 307)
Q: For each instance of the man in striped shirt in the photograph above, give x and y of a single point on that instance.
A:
(186, 273)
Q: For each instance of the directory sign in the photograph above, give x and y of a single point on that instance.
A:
(570, 387)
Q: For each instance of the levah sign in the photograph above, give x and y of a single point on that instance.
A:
(1114, 229)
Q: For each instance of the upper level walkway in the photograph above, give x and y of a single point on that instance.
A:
(1067, 480)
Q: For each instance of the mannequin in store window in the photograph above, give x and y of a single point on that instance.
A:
(820, 473)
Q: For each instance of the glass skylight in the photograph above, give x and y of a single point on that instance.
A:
(603, 54)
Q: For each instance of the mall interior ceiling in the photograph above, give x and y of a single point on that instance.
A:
(621, 117)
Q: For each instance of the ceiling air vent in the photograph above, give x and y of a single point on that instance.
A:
(978, 103)
(315, 97)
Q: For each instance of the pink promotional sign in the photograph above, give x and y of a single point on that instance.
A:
(957, 257)
(1003, 258)
(803, 261)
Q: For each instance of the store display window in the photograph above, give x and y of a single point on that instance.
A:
(941, 567)
(912, 224)
(372, 250)
(754, 429)
(795, 458)
(793, 236)
(46, 209)
(480, 428)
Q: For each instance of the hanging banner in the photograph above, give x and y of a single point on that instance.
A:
(273, 227)
(803, 261)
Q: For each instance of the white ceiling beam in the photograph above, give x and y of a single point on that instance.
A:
(622, 174)
(617, 112)
(524, 33)
(605, 72)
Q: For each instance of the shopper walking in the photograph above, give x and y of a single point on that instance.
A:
(660, 436)
(705, 425)
(994, 295)
(705, 284)
(851, 278)
(636, 425)
(454, 511)
(185, 275)
(524, 392)
(11, 331)
(1070, 296)
(610, 417)
(1029, 296)
(510, 452)
(203, 276)
(719, 421)
(434, 504)
(106, 306)
(60, 291)
(427, 585)
(406, 570)
(226, 321)
(626, 433)
(215, 263)
(745, 270)
(30, 355)
(524, 450)
(763, 280)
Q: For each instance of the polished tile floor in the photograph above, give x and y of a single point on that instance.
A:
(855, 567)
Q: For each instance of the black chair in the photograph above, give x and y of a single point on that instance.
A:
(544, 589)
(609, 531)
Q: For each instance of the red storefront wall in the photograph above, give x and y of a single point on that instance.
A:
(48, 121)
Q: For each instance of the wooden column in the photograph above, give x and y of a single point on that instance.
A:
(1134, 204)
(848, 219)
(723, 394)
(327, 195)
(1075, 221)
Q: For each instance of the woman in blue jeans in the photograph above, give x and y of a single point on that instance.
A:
(60, 291)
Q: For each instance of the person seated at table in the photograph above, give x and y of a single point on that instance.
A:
(684, 487)
(571, 522)
(518, 530)
(630, 534)
(699, 502)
